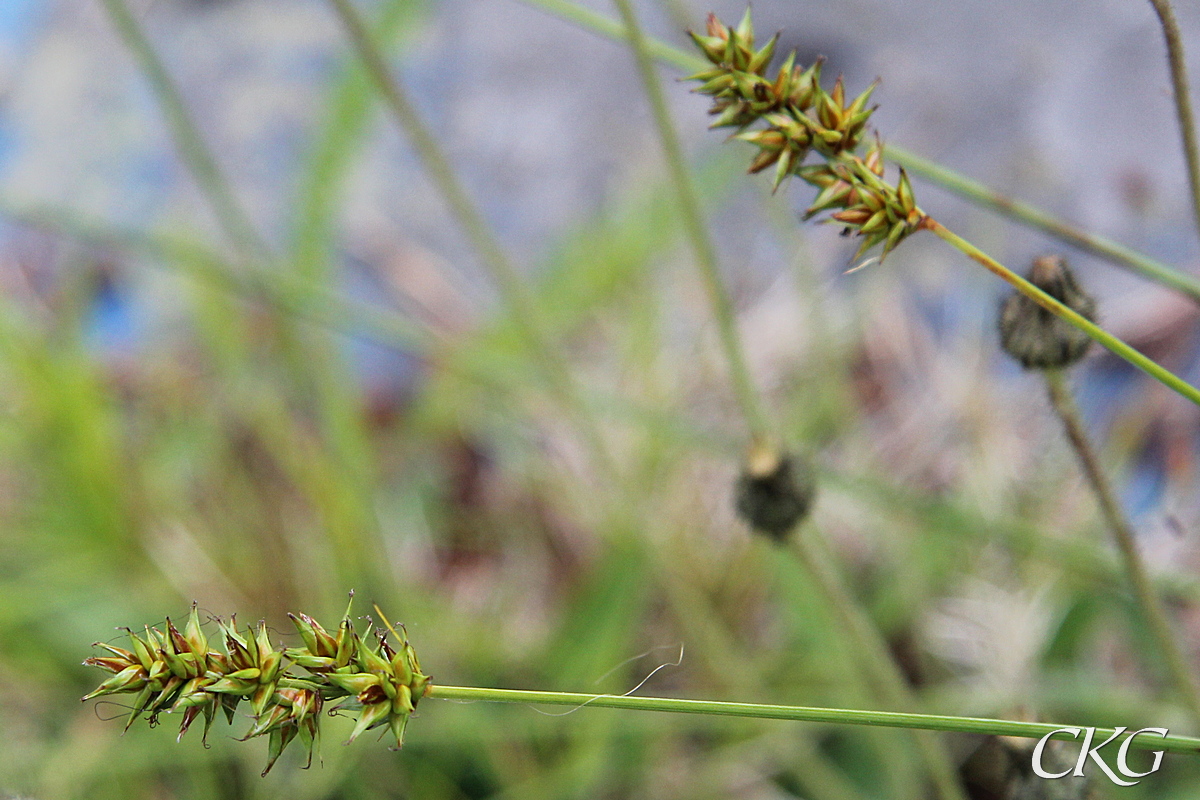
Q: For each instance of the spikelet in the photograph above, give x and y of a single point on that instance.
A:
(799, 117)
(172, 672)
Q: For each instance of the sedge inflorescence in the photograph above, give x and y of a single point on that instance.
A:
(178, 672)
(797, 118)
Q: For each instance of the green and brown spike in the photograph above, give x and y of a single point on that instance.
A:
(171, 672)
(799, 117)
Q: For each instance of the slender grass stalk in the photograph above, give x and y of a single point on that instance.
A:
(886, 719)
(1098, 334)
(612, 29)
(349, 111)
(681, 16)
(501, 270)
(1180, 671)
(233, 219)
(303, 297)
(429, 150)
(878, 664)
(1183, 101)
(311, 359)
(1039, 219)
(697, 231)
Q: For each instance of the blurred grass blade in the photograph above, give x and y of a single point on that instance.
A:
(349, 112)
(550, 362)
(307, 299)
(191, 146)
(749, 399)
(1183, 100)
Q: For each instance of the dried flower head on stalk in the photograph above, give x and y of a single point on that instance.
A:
(800, 117)
(172, 672)
(1035, 337)
(775, 491)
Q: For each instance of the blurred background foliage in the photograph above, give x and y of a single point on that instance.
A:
(179, 423)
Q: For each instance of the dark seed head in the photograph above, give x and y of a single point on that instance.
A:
(774, 492)
(1034, 336)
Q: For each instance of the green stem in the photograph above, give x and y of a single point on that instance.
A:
(1098, 334)
(503, 273)
(679, 13)
(842, 716)
(611, 29)
(1072, 559)
(697, 230)
(312, 363)
(1038, 219)
(233, 219)
(1183, 103)
(307, 299)
(1135, 568)
(876, 660)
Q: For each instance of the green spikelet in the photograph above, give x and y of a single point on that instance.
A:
(167, 670)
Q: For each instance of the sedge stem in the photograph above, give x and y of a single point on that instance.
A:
(1097, 334)
(501, 270)
(1038, 219)
(697, 231)
(843, 716)
(1147, 598)
(196, 155)
(1183, 102)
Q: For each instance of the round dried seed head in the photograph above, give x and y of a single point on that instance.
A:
(1034, 336)
(774, 492)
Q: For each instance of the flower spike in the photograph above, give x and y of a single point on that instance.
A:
(176, 671)
(800, 117)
